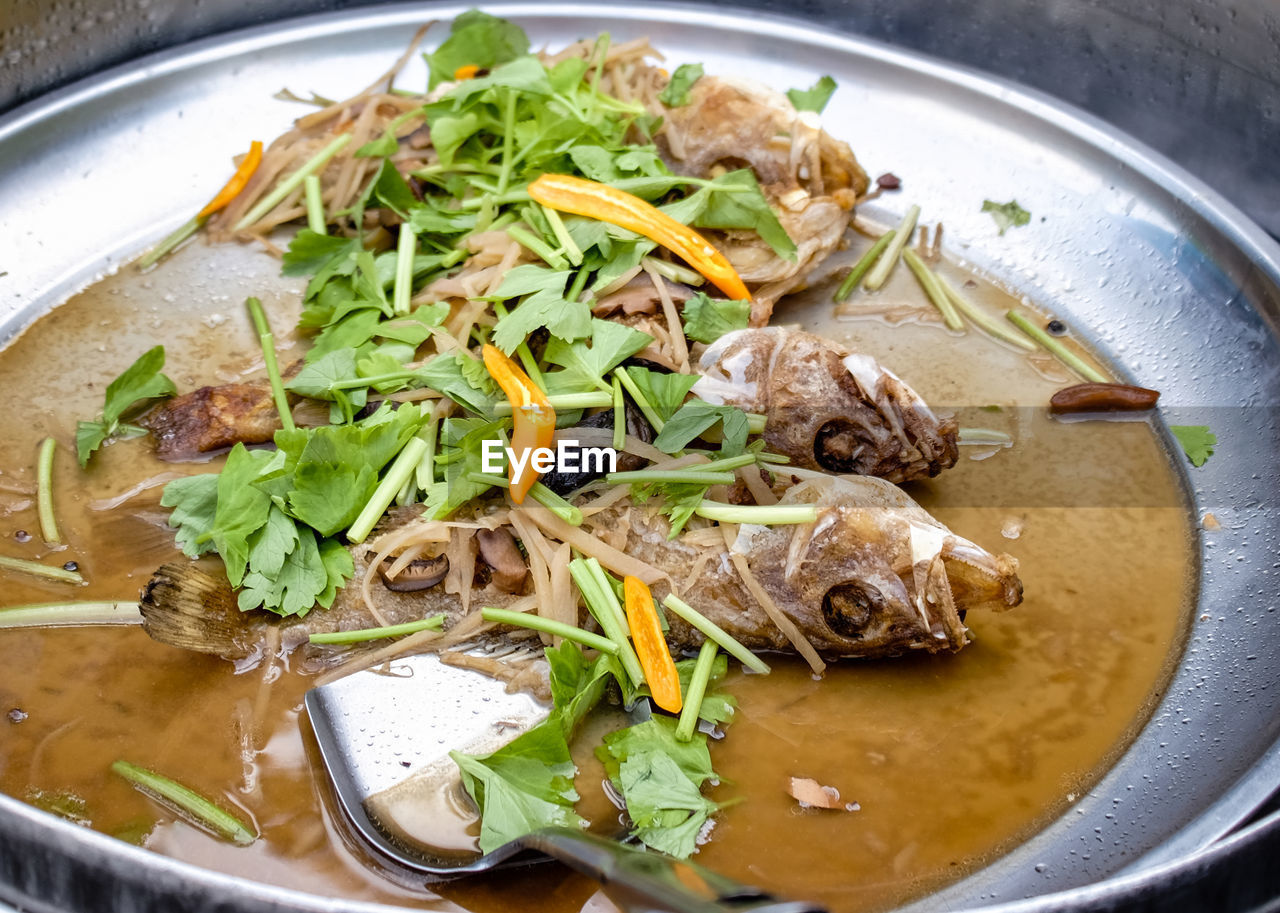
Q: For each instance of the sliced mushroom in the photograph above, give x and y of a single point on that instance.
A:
(498, 549)
(419, 574)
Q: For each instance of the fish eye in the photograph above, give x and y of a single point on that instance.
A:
(836, 446)
(847, 607)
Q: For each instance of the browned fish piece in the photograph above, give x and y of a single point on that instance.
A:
(811, 179)
(827, 408)
(875, 576)
(212, 418)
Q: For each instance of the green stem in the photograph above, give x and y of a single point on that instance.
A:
(22, 565)
(982, 436)
(565, 401)
(715, 633)
(425, 472)
(285, 187)
(550, 626)
(356, 383)
(268, 343)
(508, 140)
(906, 228)
(697, 476)
(537, 246)
(497, 199)
(577, 285)
(170, 241)
(766, 515)
(981, 318)
(619, 416)
(44, 492)
(756, 422)
(640, 400)
(929, 282)
(864, 264)
(697, 690)
(187, 802)
(603, 606)
(363, 634)
(402, 291)
(60, 614)
(523, 352)
(316, 219)
(539, 492)
(674, 272)
(726, 464)
(567, 244)
(401, 469)
(1057, 349)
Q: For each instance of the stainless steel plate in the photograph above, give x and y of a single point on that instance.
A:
(1175, 284)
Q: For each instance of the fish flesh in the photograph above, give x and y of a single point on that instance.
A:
(874, 576)
(811, 179)
(827, 408)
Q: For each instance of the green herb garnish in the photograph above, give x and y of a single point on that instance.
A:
(1007, 215)
(138, 383)
(1197, 442)
(814, 98)
(676, 93)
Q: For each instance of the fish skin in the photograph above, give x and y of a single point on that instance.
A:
(827, 408)
(851, 582)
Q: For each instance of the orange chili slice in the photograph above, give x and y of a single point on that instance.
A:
(248, 165)
(651, 646)
(466, 71)
(582, 197)
(534, 420)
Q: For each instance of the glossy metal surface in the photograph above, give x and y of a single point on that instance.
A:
(1173, 283)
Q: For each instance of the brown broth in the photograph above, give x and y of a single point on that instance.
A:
(951, 759)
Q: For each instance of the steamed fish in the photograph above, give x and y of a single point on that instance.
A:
(875, 576)
(827, 408)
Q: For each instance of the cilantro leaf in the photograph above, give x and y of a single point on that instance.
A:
(1007, 215)
(679, 500)
(543, 305)
(137, 383)
(382, 146)
(1197, 442)
(697, 417)
(585, 366)
(461, 443)
(389, 189)
(665, 392)
(309, 252)
(194, 500)
(814, 98)
(525, 785)
(242, 509)
(476, 39)
(463, 379)
(676, 93)
(734, 201)
(706, 319)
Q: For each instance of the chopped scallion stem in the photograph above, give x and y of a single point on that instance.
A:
(552, 627)
(714, 632)
(697, 690)
(540, 493)
(44, 492)
(756, 422)
(287, 186)
(170, 241)
(673, 271)
(983, 436)
(726, 464)
(1057, 349)
(402, 291)
(316, 219)
(766, 515)
(567, 244)
(670, 475)
(889, 259)
(24, 566)
(364, 634)
(401, 470)
(187, 802)
(66, 614)
(650, 414)
(565, 401)
(425, 473)
(619, 416)
(865, 262)
(933, 288)
(980, 317)
(268, 343)
(536, 245)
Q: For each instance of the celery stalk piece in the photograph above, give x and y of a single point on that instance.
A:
(68, 614)
(402, 291)
(765, 515)
(44, 492)
(550, 626)
(981, 318)
(400, 472)
(864, 264)
(22, 565)
(933, 289)
(268, 343)
(1057, 349)
(714, 632)
(889, 259)
(316, 219)
(171, 241)
(287, 186)
(619, 416)
(697, 690)
(187, 802)
(365, 634)
(669, 475)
